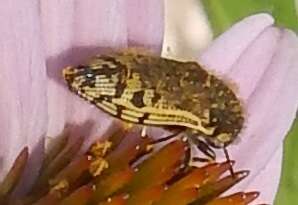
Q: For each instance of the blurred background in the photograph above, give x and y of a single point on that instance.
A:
(190, 27)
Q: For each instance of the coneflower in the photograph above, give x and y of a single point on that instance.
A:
(123, 169)
(39, 38)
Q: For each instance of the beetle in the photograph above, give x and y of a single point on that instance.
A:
(151, 90)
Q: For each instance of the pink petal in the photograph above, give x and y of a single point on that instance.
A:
(249, 68)
(97, 25)
(272, 107)
(227, 48)
(267, 75)
(57, 23)
(22, 85)
(266, 182)
(145, 23)
(100, 24)
(268, 178)
(74, 31)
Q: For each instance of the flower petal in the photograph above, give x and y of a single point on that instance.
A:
(145, 20)
(75, 31)
(227, 48)
(97, 25)
(57, 23)
(268, 179)
(248, 70)
(22, 85)
(266, 73)
(267, 122)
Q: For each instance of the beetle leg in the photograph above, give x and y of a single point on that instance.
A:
(191, 159)
(167, 137)
(201, 159)
(229, 161)
(205, 148)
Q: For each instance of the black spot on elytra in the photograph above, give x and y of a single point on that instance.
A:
(119, 111)
(145, 117)
(120, 87)
(155, 98)
(107, 98)
(137, 99)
